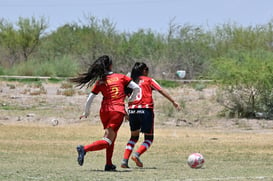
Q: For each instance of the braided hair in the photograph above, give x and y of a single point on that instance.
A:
(98, 70)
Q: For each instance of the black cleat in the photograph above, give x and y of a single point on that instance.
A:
(110, 168)
(81, 154)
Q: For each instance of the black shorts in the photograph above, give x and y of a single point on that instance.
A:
(142, 119)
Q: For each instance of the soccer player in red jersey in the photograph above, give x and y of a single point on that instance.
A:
(112, 111)
(141, 114)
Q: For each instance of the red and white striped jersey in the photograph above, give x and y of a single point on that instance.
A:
(144, 98)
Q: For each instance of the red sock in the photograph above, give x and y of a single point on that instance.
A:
(144, 146)
(129, 148)
(109, 154)
(97, 145)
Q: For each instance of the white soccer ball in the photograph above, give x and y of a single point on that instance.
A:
(196, 160)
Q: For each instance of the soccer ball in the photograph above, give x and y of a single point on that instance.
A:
(196, 160)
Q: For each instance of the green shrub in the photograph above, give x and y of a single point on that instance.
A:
(199, 86)
(23, 69)
(61, 67)
(2, 71)
(247, 82)
(65, 67)
(168, 83)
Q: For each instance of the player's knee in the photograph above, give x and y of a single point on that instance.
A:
(109, 141)
(135, 138)
(149, 137)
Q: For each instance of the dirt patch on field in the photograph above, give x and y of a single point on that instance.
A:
(61, 104)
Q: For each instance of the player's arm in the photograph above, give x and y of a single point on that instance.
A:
(88, 105)
(136, 90)
(166, 95)
(156, 86)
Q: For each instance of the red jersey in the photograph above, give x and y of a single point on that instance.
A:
(112, 90)
(144, 98)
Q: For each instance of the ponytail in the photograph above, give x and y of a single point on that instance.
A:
(98, 70)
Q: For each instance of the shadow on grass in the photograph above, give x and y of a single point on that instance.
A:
(121, 170)
(98, 170)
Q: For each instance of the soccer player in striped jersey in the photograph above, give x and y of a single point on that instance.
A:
(112, 111)
(141, 114)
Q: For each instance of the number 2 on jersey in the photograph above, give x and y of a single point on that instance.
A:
(114, 92)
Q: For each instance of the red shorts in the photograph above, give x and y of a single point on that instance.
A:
(111, 119)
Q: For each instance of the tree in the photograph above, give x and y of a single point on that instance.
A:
(29, 34)
(247, 79)
(8, 43)
(19, 42)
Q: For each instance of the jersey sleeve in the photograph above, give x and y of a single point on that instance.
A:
(155, 85)
(127, 80)
(96, 89)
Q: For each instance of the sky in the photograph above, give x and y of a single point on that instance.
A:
(132, 15)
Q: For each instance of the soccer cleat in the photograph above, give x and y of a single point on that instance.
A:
(136, 159)
(124, 163)
(110, 168)
(81, 154)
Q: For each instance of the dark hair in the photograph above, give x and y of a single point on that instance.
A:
(137, 71)
(98, 70)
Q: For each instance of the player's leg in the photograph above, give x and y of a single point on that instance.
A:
(105, 142)
(109, 134)
(147, 127)
(135, 130)
(115, 121)
(148, 140)
(129, 148)
(109, 166)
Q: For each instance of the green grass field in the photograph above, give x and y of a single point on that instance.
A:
(39, 152)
